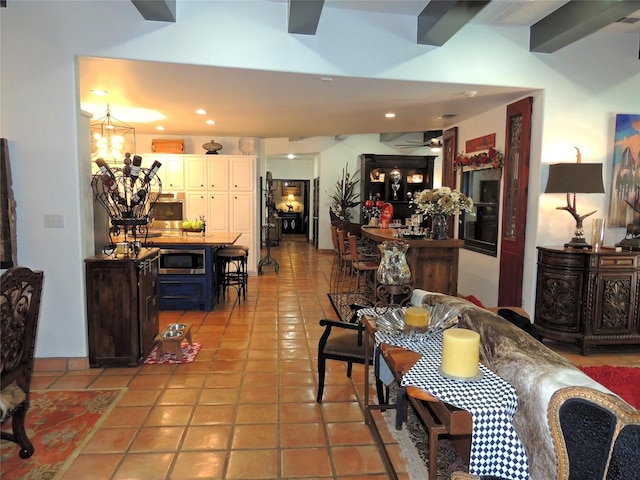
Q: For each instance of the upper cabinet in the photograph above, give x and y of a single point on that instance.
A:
(206, 173)
(171, 172)
(394, 179)
(243, 174)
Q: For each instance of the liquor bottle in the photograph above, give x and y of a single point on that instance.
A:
(151, 172)
(135, 168)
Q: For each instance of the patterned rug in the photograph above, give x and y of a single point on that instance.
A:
(189, 353)
(59, 423)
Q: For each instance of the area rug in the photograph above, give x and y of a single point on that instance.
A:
(623, 381)
(342, 304)
(189, 353)
(414, 445)
(59, 423)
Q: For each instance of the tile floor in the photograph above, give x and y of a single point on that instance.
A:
(246, 409)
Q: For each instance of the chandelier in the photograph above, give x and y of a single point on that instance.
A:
(111, 139)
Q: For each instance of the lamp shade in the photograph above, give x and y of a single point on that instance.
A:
(290, 197)
(575, 178)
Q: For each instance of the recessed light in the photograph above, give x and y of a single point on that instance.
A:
(200, 111)
(390, 115)
(100, 93)
(326, 79)
(291, 156)
(470, 93)
(444, 116)
(211, 122)
(160, 127)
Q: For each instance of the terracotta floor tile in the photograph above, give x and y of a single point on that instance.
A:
(298, 394)
(213, 414)
(98, 466)
(165, 415)
(251, 394)
(254, 436)
(187, 380)
(342, 412)
(223, 381)
(115, 381)
(305, 462)
(157, 439)
(302, 435)
(253, 464)
(219, 396)
(261, 379)
(210, 437)
(73, 382)
(357, 460)
(122, 416)
(150, 466)
(257, 413)
(206, 465)
(349, 433)
(300, 413)
(110, 440)
(179, 396)
(139, 398)
(149, 382)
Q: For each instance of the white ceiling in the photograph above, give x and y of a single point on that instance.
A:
(242, 102)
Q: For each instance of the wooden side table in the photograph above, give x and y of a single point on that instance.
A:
(439, 417)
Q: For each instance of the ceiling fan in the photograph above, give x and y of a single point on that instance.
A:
(429, 139)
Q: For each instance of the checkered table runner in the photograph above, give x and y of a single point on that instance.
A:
(496, 448)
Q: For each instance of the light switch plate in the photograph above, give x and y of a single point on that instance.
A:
(53, 221)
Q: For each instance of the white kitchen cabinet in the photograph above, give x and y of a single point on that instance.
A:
(214, 206)
(243, 174)
(171, 172)
(207, 172)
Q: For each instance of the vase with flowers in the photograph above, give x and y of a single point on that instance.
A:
(439, 204)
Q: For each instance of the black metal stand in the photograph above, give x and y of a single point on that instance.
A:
(268, 260)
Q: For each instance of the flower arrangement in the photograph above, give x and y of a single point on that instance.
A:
(344, 196)
(372, 208)
(492, 158)
(442, 201)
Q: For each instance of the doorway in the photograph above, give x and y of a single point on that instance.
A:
(292, 199)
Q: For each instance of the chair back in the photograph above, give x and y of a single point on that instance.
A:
(353, 247)
(334, 238)
(20, 294)
(611, 426)
(341, 243)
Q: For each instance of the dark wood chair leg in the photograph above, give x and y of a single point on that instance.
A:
(20, 434)
(321, 371)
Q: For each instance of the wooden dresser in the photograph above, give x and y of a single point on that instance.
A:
(587, 297)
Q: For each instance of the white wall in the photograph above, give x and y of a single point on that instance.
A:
(585, 85)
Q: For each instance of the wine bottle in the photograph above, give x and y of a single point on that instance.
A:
(151, 172)
(135, 168)
(139, 197)
(104, 168)
(112, 186)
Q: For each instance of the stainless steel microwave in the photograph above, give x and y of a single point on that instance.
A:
(182, 262)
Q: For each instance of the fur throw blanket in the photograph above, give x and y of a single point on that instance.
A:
(535, 371)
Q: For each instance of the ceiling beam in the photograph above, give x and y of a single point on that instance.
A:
(304, 16)
(158, 10)
(441, 19)
(575, 20)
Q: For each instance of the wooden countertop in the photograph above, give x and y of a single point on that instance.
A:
(212, 239)
(384, 234)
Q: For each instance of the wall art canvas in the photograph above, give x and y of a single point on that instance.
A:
(625, 180)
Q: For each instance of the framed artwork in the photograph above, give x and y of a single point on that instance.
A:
(625, 178)
(291, 188)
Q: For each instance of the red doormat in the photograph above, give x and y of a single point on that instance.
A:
(59, 424)
(189, 353)
(624, 381)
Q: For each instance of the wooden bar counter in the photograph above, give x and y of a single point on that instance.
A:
(433, 263)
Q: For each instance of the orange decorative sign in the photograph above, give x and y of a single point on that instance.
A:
(480, 143)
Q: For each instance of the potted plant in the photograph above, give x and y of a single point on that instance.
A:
(344, 196)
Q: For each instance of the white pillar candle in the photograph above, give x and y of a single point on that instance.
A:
(460, 353)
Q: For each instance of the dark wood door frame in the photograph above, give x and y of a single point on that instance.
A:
(514, 201)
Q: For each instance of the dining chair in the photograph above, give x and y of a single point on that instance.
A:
(343, 341)
(363, 264)
(20, 294)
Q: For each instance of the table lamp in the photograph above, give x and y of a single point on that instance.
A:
(572, 178)
(290, 199)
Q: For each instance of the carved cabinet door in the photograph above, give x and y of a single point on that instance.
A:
(615, 298)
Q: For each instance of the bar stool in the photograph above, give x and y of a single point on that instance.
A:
(232, 271)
